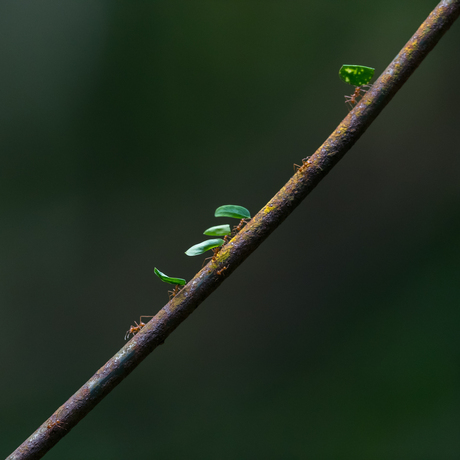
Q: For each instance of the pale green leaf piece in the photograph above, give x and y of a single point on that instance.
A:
(356, 75)
(232, 210)
(200, 248)
(168, 279)
(218, 230)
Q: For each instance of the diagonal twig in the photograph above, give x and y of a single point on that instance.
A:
(245, 242)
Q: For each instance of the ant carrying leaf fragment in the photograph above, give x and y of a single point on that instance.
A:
(236, 212)
(358, 76)
(170, 280)
(178, 282)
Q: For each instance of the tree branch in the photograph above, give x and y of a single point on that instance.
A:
(247, 240)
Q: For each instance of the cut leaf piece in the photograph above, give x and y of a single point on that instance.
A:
(200, 248)
(232, 210)
(218, 230)
(356, 75)
(168, 279)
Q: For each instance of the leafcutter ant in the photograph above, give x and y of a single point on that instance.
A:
(219, 272)
(213, 258)
(215, 252)
(239, 227)
(135, 329)
(359, 92)
(303, 165)
(52, 424)
(174, 292)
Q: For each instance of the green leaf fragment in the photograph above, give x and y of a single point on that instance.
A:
(356, 75)
(200, 248)
(168, 279)
(218, 230)
(232, 210)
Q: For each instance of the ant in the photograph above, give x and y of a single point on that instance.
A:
(359, 92)
(303, 166)
(240, 226)
(57, 423)
(135, 329)
(174, 292)
(215, 252)
(213, 258)
(219, 272)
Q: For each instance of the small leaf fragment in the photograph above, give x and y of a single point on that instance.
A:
(232, 210)
(218, 230)
(200, 248)
(168, 279)
(356, 75)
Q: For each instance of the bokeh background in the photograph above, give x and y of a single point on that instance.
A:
(124, 125)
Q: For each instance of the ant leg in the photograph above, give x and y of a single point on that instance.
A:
(131, 331)
(60, 425)
(205, 261)
(144, 316)
(174, 292)
(349, 101)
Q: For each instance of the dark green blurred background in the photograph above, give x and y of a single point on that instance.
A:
(124, 125)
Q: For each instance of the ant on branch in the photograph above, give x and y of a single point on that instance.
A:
(213, 258)
(215, 252)
(57, 423)
(174, 292)
(135, 329)
(235, 230)
(219, 272)
(354, 98)
(239, 227)
(303, 165)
